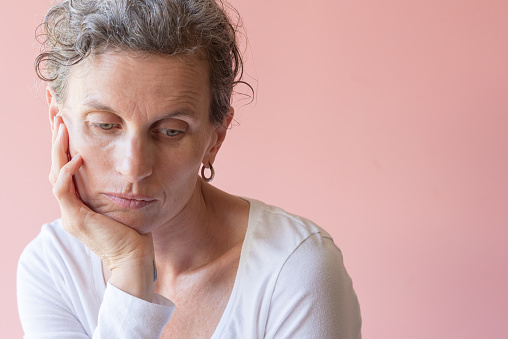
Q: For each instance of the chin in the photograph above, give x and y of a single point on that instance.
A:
(138, 223)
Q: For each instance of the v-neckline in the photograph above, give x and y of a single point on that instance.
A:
(100, 284)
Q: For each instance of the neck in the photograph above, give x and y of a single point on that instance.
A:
(192, 239)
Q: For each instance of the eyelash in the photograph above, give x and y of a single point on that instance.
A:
(163, 131)
(101, 126)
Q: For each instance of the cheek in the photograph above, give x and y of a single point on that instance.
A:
(81, 142)
(94, 160)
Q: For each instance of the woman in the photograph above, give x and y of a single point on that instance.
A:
(139, 99)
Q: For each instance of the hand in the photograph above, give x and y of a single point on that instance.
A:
(128, 254)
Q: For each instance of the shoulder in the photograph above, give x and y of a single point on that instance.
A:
(292, 278)
(284, 229)
(53, 258)
(284, 233)
(274, 236)
(51, 243)
(313, 294)
(303, 246)
(56, 280)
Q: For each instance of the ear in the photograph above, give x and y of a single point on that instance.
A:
(54, 109)
(220, 135)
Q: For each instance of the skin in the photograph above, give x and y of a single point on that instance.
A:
(137, 130)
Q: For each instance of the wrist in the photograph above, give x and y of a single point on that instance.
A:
(137, 280)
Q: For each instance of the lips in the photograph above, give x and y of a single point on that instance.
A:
(132, 201)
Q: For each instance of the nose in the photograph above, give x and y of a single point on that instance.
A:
(134, 160)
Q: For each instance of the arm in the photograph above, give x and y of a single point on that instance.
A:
(128, 254)
(124, 316)
(57, 298)
(314, 296)
(43, 311)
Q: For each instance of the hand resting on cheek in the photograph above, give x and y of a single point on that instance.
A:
(128, 254)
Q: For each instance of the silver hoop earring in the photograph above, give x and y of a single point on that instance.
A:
(212, 173)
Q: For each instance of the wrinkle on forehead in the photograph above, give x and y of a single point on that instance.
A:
(139, 85)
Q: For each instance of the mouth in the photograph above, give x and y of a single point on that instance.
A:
(131, 201)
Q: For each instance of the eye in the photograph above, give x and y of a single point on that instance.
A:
(105, 126)
(170, 132)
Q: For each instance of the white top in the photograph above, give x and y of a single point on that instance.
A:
(291, 283)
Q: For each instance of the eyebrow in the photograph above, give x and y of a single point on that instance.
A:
(92, 103)
(97, 105)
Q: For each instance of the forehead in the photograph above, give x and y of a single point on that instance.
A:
(133, 79)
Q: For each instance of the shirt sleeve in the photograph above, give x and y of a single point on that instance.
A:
(48, 310)
(124, 316)
(313, 296)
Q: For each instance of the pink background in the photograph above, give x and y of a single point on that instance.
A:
(386, 122)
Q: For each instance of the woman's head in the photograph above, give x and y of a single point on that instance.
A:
(141, 124)
(144, 88)
(76, 29)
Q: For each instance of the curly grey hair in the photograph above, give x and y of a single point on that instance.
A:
(75, 29)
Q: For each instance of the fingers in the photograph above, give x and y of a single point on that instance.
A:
(54, 129)
(63, 188)
(59, 149)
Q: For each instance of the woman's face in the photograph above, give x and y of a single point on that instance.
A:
(142, 126)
